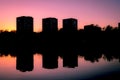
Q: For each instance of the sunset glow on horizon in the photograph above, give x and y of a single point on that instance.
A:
(100, 12)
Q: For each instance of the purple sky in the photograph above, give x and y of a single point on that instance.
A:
(101, 12)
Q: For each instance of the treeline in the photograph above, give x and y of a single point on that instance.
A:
(91, 34)
(92, 40)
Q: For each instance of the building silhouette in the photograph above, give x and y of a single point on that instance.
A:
(70, 24)
(119, 25)
(49, 25)
(92, 28)
(24, 24)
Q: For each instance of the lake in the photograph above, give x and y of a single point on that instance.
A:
(42, 67)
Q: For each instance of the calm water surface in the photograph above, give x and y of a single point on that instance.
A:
(85, 69)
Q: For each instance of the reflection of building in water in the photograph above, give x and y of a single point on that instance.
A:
(24, 61)
(50, 61)
(70, 24)
(24, 24)
(70, 61)
(49, 25)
